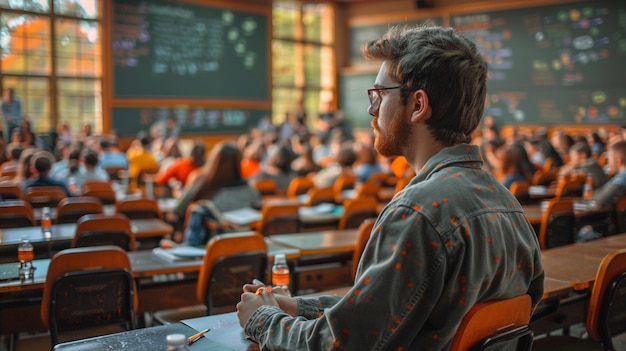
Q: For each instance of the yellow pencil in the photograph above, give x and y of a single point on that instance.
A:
(197, 336)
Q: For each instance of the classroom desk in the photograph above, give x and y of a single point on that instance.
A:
(62, 235)
(318, 243)
(534, 212)
(225, 335)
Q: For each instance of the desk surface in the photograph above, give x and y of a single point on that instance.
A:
(316, 243)
(141, 228)
(534, 212)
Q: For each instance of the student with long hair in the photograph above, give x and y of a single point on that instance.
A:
(221, 182)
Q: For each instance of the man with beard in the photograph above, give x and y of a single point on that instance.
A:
(453, 237)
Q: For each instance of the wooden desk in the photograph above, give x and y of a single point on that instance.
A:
(534, 213)
(318, 243)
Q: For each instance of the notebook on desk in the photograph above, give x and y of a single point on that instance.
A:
(181, 253)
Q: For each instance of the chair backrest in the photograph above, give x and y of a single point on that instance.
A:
(557, 224)
(379, 178)
(320, 195)
(111, 298)
(542, 177)
(365, 231)
(114, 172)
(140, 208)
(279, 219)
(343, 182)
(100, 229)
(298, 186)
(106, 194)
(10, 191)
(265, 186)
(490, 319)
(570, 186)
(70, 209)
(606, 314)
(231, 260)
(620, 215)
(356, 210)
(16, 214)
(520, 191)
(44, 196)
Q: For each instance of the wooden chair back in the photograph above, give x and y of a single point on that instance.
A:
(115, 172)
(298, 186)
(570, 185)
(139, 208)
(343, 182)
(10, 191)
(557, 224)
(100, 229)
(488, 319)
(44, 196)
(520, 191)
(280, 218)
(541, 177)
(265, 186)
(103, 191)
(606, 314)
(320, 195)
(620, 215)
(365, 231)
(380, 179)
(16, 214)
(231, 260)
(70, 209)
(356, 210)
(80, 312)
(9, 173)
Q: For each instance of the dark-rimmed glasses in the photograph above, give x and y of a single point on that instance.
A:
(374, 94)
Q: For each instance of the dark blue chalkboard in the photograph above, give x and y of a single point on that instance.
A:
(164, 49)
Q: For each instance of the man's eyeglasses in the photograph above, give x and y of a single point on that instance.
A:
(374, 94)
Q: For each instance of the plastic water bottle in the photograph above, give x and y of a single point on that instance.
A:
(280, 272)
(588, 188)
(26, 255)
(176, 342)
(46, 223)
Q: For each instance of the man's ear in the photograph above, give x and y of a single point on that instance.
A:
(421, 108)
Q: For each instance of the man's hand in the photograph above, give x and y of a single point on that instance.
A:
(281, 296)
(251, 301)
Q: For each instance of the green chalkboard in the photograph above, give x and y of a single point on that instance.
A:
(354, 101)
(556, 64)
(164, 49)
(128, 121)
(361, 34)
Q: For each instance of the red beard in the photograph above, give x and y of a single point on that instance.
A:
(395, 139)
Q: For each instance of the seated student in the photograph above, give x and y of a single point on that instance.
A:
(580, 161)
(613, 190)
(278, 167)
(221, 182)
(13, 155)
(512, 167)
(111, 156)
(180, 169)
(89, 169)
(41, 163)
(139, 157)
(341, 166)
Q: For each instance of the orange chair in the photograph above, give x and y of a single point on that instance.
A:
(16, 214)
(140, 208)
(365, 231)
(342, 183)
(99, 229)
(265, 186)
(89, 288)
(494, 321)
(231, 260)
(320, 195)
(570, 185)
(520, 191)
(279, 219)
(357, 210)
(298, 186)
(544, 178)
(10, 191)
(606, 313)
(557, 224)
(44, 196)
(69, 210)
(105, 194)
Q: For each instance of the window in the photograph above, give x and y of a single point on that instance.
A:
(53, 43)
(303, 58)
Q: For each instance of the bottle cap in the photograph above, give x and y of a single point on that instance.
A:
(280, 258)
(176, 339)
